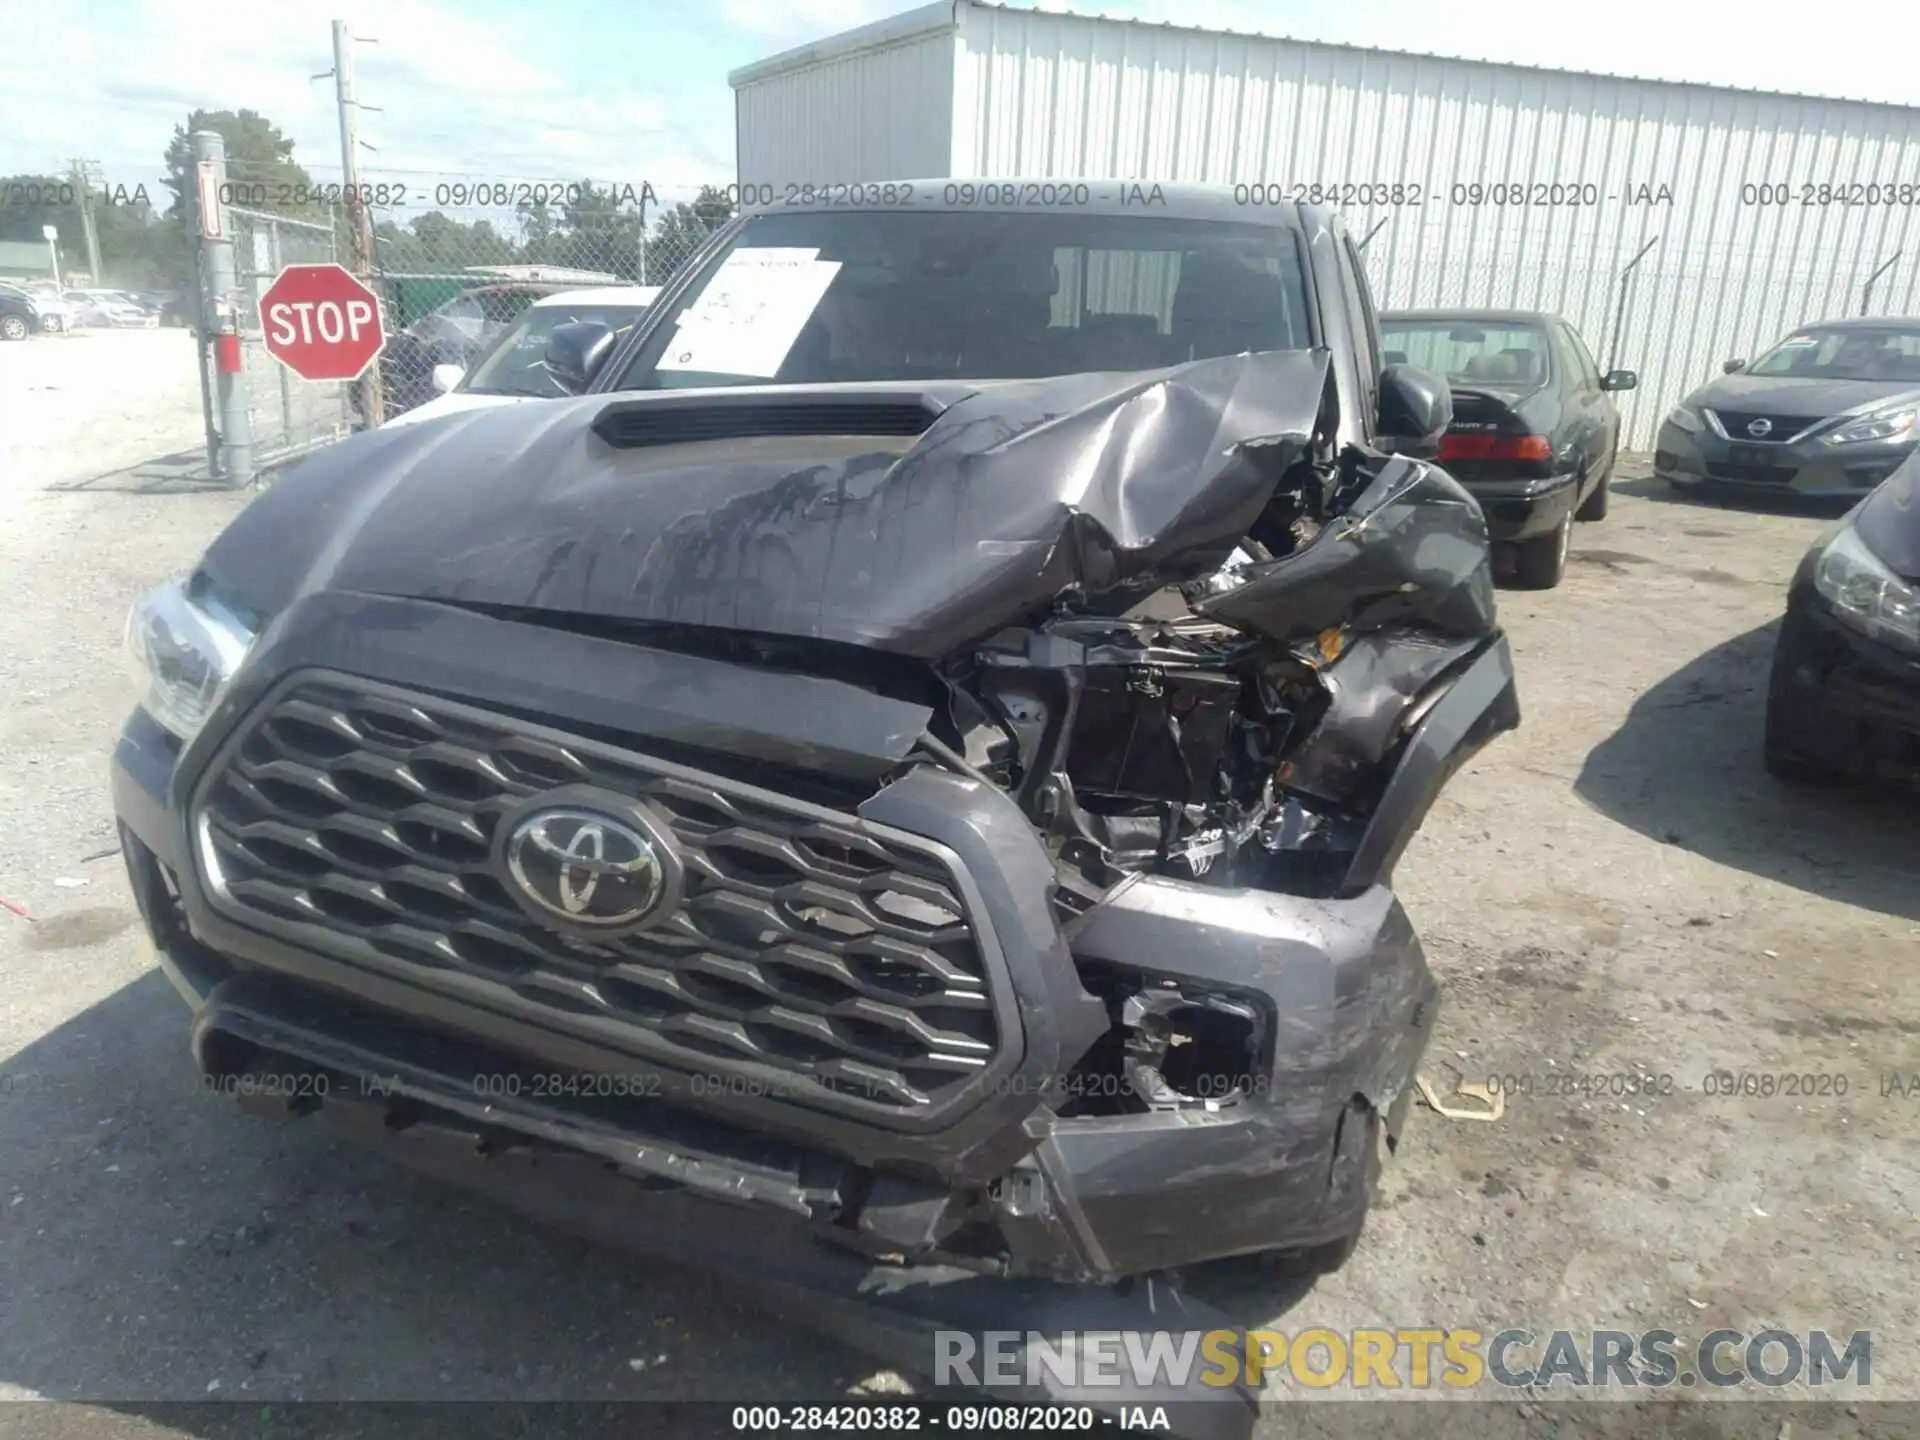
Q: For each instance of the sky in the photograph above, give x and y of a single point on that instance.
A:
(631, 90)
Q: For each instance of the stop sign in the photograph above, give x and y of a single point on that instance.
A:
(321, 323)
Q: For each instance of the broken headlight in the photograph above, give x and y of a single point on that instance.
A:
(184, 647)
(1865, 593)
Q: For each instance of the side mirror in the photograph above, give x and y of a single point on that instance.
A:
(1731, 366)
(1619, 380)
(575, 352)
(445, 377)
(1416, 407)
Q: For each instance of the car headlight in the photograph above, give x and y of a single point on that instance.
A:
(1686, 418)
(1883, 425)
(184, 649)
(1865, 593)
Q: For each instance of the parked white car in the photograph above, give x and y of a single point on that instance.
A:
(513, 369)
(57, 317)
(111, 309)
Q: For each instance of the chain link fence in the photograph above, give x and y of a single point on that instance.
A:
(463, 267)
(459, 263)
(289, 416)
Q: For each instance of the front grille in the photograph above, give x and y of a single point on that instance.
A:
(1751, 474)
(1785, 427)
(838, 958)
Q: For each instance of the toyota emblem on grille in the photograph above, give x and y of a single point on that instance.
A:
(594, 863)
(1760, 428)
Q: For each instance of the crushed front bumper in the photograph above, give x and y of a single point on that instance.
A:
(1001, 1192)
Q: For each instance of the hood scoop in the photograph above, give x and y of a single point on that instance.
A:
(673, 420)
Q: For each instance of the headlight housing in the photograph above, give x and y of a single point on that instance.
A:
(184, 648)
(1686, 418)
(1880, 425)
(1865, 593)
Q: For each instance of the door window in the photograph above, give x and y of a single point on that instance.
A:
(1583, 365)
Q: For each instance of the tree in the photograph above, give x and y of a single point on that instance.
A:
(137, 250)
(34, 201)
(601, 229)
(684, 229)
(260, 165)
(434, 242)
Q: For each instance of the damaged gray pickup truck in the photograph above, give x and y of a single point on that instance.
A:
(891, 793)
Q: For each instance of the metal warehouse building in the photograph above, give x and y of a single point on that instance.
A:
(1674, 224)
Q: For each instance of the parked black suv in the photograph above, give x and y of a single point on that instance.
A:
(918, 753)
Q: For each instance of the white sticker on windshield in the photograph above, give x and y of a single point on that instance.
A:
(750, 313)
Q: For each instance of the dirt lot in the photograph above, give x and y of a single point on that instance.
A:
(1615, 888)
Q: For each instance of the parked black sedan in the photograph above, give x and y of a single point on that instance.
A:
(1844, 699)
(1535, 431)
(18, 316)
(1831, 410)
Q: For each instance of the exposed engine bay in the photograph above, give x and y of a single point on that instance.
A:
(1171, 739)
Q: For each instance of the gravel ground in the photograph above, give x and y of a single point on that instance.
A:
(1617, 887)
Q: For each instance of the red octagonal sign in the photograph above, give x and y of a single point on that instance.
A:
(321, 323)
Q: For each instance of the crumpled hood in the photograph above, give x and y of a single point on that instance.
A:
(1018, 492)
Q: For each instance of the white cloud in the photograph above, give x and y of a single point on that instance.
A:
(455, 96)
(804, 20)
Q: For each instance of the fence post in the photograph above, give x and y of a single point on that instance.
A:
(276, 262)
(218, 284)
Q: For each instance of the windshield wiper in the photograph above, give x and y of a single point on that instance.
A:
(508, 390)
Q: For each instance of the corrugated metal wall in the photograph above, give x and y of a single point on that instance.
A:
(883, 112)
(979, 90)
(1059, 95)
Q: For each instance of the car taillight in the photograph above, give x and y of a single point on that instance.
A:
(1495, 447)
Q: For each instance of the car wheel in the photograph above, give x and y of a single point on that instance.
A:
(13, 327)
(49, 324)
(1595, 507)
(1540, 563)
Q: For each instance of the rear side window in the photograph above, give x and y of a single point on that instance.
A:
(1583, 365)
(1473, 352)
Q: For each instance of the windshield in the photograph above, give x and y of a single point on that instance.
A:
(515, 366)
(815, 298)
(1849, 354)
(1470, 352)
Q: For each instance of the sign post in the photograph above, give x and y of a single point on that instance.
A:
(321, 322)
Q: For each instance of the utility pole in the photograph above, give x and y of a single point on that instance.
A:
(83, 172)
(359, 221)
